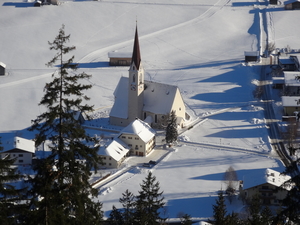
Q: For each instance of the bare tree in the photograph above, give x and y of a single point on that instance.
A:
(230, 179)
(271, 47)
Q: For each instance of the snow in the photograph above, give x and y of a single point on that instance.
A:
(116, 149)
(263, 177)
(195, 45)
(18, 143)
(290, 78)
(141, 129)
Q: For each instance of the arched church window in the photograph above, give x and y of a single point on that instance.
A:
(133, 78)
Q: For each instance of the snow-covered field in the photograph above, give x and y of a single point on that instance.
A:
(197, 44)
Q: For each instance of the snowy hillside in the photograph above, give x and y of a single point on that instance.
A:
(197, 44)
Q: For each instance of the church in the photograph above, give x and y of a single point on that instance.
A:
(149, 101)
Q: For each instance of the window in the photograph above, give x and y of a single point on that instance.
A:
(20, 161)
(130, 145)
(129, 137)
(109, 158)
(155, 119)
(136, 138)
(109, 164)
(20, 155)
(136, 147)
(123, 137)
(104, 158)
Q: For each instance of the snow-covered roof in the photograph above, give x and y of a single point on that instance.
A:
(267, 176)
(158, 98)
(251, 53)
(290, 101)
(120, 107)
(18, 143)
(139, 128)
(116, 149)
(2, 64)
(117, 54)
(290, 78)
(278, 80)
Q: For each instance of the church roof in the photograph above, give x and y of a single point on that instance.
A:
(158, 98)
(139, 128)
(136, 55)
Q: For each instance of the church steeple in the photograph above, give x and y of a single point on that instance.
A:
(136, 54)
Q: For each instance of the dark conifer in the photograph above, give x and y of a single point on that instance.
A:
(115, 217)
(219, 210)
(10, 204)
(171, 130)
(61, 189)
(128, 203)
(149, 202)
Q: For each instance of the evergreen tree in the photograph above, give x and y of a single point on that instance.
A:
(115, 217)
(61, 190)
(186, 219)
(219, 210)
(266, 216)
(254, 211)
(149, 202)
(171, 130)
(128, 203)
(291, 204)
(10, 196)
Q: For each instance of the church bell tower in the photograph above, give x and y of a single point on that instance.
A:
(136, 83)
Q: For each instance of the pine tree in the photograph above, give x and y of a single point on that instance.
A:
(149, 202)
(186, 219)
(219, 210)
(171, 130)
(254, 211)
(10, 196)
(61, 190)
(291, 204)
(115, 217)
(128, 203)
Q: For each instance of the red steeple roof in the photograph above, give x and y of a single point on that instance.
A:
(136, 55)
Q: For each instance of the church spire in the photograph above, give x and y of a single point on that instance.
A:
(136, 55)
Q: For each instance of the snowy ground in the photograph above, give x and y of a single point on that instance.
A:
(197, 44)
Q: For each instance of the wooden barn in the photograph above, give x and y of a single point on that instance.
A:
(119, 58)
(2, 69)
(292, 4)
(251, 56)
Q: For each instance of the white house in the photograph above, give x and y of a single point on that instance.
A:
(139, 137)
(138, 98)
(114, 153)
(20, 149)
(266, 184)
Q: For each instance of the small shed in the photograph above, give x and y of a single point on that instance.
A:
(292, 4)
(251, 56)
(2, 69)
(273, 2)
(119, 58)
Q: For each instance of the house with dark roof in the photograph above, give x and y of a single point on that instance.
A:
(2, 69)
(136, 97)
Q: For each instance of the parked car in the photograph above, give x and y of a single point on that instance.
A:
(152, 162)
